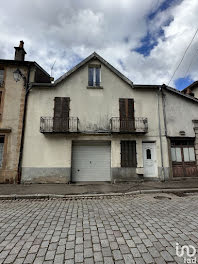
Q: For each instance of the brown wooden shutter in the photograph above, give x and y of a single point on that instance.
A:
(130, 108)
(122, 105)
(128, 154)
(61, 114)
(127, 120)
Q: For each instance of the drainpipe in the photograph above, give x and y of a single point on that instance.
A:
(164, 108)
(23, 126)
(160, 133)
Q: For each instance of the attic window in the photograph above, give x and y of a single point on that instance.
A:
(94, 76)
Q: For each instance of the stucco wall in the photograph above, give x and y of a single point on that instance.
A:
(195, 91)
(179, 115)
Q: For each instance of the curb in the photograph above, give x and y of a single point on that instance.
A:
(92, 196)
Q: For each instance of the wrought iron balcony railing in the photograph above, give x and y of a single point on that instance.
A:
(58, 125)
(136, 125)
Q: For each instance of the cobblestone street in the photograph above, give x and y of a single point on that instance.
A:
(130, 229)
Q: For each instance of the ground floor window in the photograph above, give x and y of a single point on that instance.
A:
(1, 150)
(182, 151)
(128, 153)
(183, 158)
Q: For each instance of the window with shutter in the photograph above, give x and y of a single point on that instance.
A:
(127, 120)
(128, 154)
(61, 114)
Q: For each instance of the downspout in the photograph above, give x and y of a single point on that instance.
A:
(164, 108)
(160, 134)
(23, 126)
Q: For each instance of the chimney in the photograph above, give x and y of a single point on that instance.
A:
(20, 52)
(189, 92)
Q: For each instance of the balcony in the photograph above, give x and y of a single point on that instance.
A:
(59, 125)
(136, 125)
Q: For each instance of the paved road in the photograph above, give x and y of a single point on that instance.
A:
(132, 229)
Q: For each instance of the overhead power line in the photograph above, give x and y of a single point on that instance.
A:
(191, 62)
(183, 56)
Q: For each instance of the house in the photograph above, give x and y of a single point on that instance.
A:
(181, 130)
(15, 76)
(192, 89)
(94, 124)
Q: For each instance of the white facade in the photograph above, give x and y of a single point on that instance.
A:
(47, 157)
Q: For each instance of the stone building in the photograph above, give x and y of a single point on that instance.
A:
(15, 76)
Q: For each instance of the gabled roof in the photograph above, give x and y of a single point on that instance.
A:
(23, 63)
(181, 93)
(94, 55)
(165, 87)
(191, 86)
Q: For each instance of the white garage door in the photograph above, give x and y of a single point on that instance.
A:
(91, 161)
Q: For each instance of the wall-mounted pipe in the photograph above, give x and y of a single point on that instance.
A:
(160, 134)
(23, 125)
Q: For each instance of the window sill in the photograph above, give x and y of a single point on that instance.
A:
(94, 87)
(5, 130)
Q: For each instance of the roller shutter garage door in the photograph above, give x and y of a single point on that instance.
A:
(91, 161)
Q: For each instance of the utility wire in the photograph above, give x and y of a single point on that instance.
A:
(183, 56)
(190, 64)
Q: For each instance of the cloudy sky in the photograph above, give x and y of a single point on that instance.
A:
(144, 39)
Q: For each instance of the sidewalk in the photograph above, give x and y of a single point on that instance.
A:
(97, 188)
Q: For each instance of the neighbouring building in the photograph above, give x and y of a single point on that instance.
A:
(94, 124)
(15, 76)
(181, 119)
(192, 89)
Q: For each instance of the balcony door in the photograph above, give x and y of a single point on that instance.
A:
(127, 120)
(61, 114)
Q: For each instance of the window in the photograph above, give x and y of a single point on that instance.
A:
(176, 154)
(148, 154)
(189, 154)
(1, 77)
(182, 151)
(94, 78)
(61, 114)
(127, 120)
(128, 154)
(1, 150)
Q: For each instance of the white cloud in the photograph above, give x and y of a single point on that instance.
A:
(67, 31)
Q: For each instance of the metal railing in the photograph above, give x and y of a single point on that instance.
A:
(58, 125)
(136, 125)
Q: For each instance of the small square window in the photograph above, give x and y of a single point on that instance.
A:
(94, 76)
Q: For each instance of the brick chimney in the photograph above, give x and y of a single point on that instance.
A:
(20, 52)
(189, 92)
